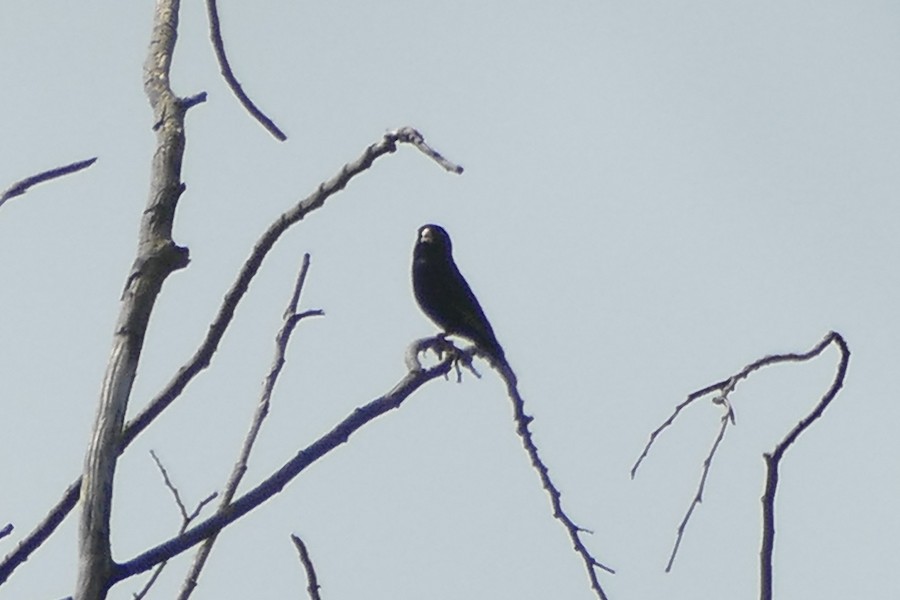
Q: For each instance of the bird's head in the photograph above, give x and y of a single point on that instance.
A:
(433, 237)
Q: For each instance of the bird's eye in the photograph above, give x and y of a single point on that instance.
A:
(427, 235)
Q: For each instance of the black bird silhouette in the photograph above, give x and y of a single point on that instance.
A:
(444, 295)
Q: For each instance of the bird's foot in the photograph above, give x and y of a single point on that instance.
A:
(443, 349)
(464, 358)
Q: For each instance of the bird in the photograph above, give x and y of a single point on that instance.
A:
(444, 295)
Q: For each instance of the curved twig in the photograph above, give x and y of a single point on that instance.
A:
(724, 388)
(215, 34)
(773, 461)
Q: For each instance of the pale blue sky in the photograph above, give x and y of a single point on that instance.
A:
(655, 194)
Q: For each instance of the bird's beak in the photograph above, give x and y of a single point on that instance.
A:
(427, 235)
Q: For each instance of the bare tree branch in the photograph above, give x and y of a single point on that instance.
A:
(574, 531)
(276, 482)
(291, 319)
(186, 519)
(313, 581)
(773, 462)
(411, 136)
(41, 532)
(170, 486)
(724, 389)
(7, 529)
(20, 187)
(204, 353)
(157, 257)
(698, 496)
(215, 34)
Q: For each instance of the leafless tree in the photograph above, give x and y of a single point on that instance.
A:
(158, 256)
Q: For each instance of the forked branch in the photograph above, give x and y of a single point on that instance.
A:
(276, 482)
(291, 319)
(773, 461)
(723, 389)
(186, 519)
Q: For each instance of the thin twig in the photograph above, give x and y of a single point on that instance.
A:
(7, 529)
(656, 432)
(170, 486)
(698, 497)
(415, 138)
(522, 421)
(725, 386)
(185, 521)
(313, 581)
(204, 353)
(291, 319)
(773, 462)
(215, 34)
(291, 309)
(20, 187)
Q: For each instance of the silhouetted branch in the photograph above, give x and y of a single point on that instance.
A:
(203, 355)
(313, 581)
(291, 319)
(698, 496)
(276, 482)
(773, 461)
(41, 532)
(186, 519)
(522, 421)
(215, 34)
(724, 389)
(7, 529)
(20, 187)
(170, 486)
(443, 347)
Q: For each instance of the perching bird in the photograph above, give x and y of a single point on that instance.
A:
(444, 295)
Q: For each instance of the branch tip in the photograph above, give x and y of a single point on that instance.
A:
(215, 34)
(22, 186)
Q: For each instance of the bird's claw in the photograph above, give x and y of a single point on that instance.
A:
(464, 358)
(443, 349)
